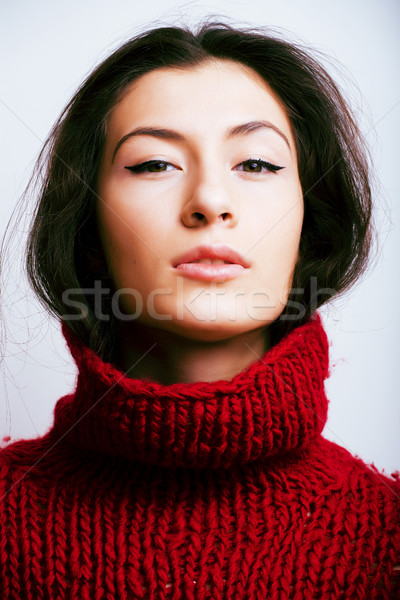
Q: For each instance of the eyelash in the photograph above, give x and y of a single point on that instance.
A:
(261, 163)
(145, 166)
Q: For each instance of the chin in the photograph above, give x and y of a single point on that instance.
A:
(211, 331)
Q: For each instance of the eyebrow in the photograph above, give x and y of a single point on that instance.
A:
(170, 134)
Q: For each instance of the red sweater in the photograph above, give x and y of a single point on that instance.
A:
(220, 490)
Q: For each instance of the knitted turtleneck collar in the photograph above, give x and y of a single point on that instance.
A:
(275, 405)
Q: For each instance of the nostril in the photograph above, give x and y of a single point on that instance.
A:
(198, 216)
(224, 216)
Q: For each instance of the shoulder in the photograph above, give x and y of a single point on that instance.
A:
(343, 468)
(340, 483)
(365, 505)
(353, 468)
(29, 464)
(347, 485)
(20, 459)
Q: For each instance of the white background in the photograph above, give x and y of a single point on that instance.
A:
(48, 47)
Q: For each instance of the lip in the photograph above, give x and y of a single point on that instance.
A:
(234, 266)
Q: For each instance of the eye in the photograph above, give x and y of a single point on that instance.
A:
(256, 165)
(151, 166)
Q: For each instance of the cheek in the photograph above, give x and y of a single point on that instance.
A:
(275, 248)
(131, 236)
(279, 219)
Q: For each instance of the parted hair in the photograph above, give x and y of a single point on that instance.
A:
(64, 250)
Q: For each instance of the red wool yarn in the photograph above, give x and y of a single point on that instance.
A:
(222, 490)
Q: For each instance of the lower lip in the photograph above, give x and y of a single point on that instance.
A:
(209, 272)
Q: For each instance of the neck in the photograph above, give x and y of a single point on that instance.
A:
(167, 358)
(275, 405)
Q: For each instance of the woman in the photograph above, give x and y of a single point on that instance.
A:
(205, 193)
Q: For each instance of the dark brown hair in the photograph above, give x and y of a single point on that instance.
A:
(64, 251)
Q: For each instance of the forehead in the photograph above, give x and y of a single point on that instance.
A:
(217, 93)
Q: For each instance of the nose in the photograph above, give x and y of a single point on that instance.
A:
(209, 202)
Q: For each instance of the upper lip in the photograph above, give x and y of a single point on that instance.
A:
(219, 251)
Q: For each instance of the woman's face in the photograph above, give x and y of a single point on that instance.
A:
(201, 208)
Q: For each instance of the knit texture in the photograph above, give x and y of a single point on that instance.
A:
(222, 490)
